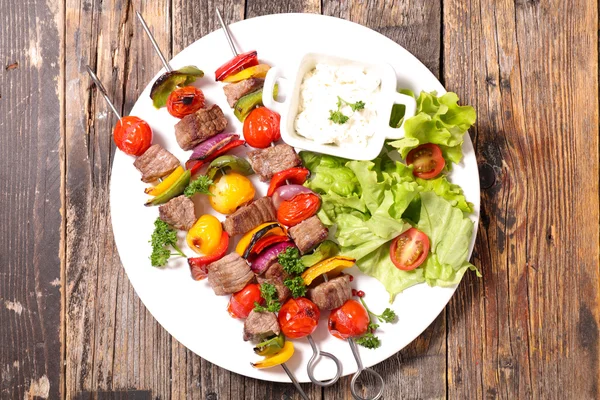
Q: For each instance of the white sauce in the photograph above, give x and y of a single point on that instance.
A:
(319, 95)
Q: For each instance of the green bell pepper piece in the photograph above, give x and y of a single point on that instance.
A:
(175, 190)
(229, 163)
(249, 102)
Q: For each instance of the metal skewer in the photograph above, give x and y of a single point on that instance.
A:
(103, 92)
(362, 369)
(289, 373)
(153, 41)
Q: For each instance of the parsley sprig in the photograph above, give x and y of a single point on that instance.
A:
(162, 238)
(199, 185)
(369, 340)
(337, 117)
(290, 261)
(296, 286)
(268, 292)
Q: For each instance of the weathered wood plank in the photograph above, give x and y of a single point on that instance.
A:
(30, 194)
(529, 328)
(418, 371)
(113, 343)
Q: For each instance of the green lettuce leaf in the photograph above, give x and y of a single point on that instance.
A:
(329, 174)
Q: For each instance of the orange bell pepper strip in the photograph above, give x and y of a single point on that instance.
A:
(333, 265)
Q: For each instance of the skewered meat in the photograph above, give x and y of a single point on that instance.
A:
(234, 91)
(178, 212)
(275, 275)
(229, 274)
(155, 163)
(271, 160)
(331, 294)
(260, 325)
(308, 233)
(250, 216)
(195, 128)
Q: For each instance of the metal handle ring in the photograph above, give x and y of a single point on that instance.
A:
(360, 371)
(314, 359)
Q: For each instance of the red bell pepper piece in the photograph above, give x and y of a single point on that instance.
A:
(198, 265)
(195, 165)
(236, 64)
(267, 241)
(296, 176)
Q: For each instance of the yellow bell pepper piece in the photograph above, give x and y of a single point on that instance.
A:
(334, 264)
(278, 358)
(166, 183)
(247, 238)
(258, 71)
(204, 237)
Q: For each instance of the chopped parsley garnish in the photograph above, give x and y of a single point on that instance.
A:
(163, 237)
(359, 105)
(369, 340)
(290, 261)
(296, 286)
(337, 117)
(199, 185)
(268, 292)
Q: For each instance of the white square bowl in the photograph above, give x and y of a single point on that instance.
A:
(288, 109)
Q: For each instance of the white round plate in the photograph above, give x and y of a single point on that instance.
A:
(189, 310)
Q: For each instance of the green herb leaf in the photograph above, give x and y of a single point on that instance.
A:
(290, 261)
(359, 105)
(199, 185)
(388, 315)
(369, 341)
(268, 292)
(337, 117)
(296, 286)
(163, 237)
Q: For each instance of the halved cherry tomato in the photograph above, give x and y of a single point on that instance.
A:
(242, 302)
(409, 250)
(293, 176)
(427, 161)
(198, 265)
(302, 206)
(261, 127)
(349, 320)
(132, 135)
(184, 101)
(298, 317)
(236, 64)
(195, 165)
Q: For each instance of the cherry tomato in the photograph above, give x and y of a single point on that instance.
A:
(298, 317)
(132, 135)
(302, 206)
(349, 320)
(427, 160)
(242, 302)
(261, 127)
(184, 101)
(409, 250)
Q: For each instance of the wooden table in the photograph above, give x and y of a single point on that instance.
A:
(70, 322)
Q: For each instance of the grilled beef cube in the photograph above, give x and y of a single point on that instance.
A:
(271, 160)
(155, 163)
(331, 294)
(260, 325)
(229, 274)
(275, 275)
(250, 216)
(195, 128)
(178, 212)
(308, 233)
(234, 91)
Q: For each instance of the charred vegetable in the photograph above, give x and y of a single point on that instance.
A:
(247, 103)
(168, 81)
(270, 346)
(229, 163)
(236, 64)
(174, 190)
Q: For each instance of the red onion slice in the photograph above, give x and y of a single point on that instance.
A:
(211, 145)
(287, 192)
(268, 256)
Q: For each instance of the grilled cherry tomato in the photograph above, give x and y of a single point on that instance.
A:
(242, 302)
(409, 250)
(302, 206)
(198, 265)
(132, 135)
(349, 320)
(205, 235)
(292, 176)
(184, 101)
(236, 64)
(261, 127)
(427, 161)
(230, 192)
(298, 317)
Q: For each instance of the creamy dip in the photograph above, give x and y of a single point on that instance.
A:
(320, 92)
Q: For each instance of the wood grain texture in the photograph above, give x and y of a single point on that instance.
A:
(529, 328)
(30, 176)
